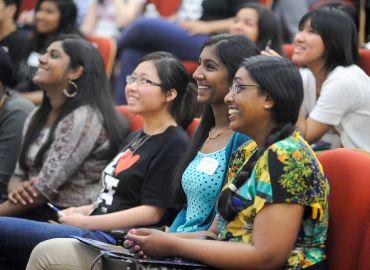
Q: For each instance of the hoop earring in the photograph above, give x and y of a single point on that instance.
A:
(68, 95)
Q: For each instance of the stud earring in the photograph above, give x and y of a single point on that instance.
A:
(266, 106)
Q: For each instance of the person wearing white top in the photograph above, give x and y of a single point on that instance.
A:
(338, 93)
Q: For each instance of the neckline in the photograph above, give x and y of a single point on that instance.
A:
(203, 154)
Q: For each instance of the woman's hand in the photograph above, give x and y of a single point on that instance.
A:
(152, 243)
(270, 52)
(75, 220)
(23, 193)
(72, 210)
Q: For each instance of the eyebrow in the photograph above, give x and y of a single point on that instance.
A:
(237, 78)
(211, 60)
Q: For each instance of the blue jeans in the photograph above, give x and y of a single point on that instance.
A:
(147, 35)
(19, 236)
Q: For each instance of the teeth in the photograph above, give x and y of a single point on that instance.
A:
(233, 111)
(132, 99)
(203, 87)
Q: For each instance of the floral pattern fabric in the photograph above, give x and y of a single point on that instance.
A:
(288, 171)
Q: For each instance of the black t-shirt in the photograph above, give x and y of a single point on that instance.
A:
(222, 9)
(142, 173)
(14, 44)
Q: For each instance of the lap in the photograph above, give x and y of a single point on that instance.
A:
(63, 253)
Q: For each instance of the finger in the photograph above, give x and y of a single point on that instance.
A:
(30, 190)
(19, 198)
(141, 232)
(135, 249)
(11, 197)
(128, 244)
(33, 180)
(25, 195)
(265, 53)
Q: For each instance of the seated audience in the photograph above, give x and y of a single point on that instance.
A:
(137, 184)
(11, 39)
(70, 138)
(195, 187)
(107, 17)
(52, 18)
(270, 201)
(337, 91)
(13, 113)
(184, 39)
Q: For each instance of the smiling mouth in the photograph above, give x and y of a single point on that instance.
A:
(201, 87)
(132, 99)
(233, 111)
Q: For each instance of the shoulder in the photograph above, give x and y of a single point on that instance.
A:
(83, 116)
(17, 103)
(175, 136)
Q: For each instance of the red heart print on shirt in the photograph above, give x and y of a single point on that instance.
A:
(126, 161)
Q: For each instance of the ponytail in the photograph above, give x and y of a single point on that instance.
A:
(225, 205)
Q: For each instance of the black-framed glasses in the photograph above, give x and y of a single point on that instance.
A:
(140, 81)
(236, 88)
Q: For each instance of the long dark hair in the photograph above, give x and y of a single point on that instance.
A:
(280, 78)
(268, 28)
(93, 90)
(67, 25)
(173, 75)
(338, 32)
(231, 50)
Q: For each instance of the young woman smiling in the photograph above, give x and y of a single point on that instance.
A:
(52, 18)
(273, 212)
(69, 138)
(337, 91)
(137, 184)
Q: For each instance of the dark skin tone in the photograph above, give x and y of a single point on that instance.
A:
(23, 196)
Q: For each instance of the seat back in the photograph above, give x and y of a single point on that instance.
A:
(108, 48)
(137, 121)
(349, 206)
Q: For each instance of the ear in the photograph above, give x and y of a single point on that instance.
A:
(171, 95)
(10, 10)
(268, 102)
(74, 74)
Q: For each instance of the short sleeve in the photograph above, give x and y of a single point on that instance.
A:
(338, 96)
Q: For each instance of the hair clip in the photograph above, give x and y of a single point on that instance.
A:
(232, 187)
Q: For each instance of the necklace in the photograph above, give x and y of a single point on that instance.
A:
(218, 134)
(137, 141)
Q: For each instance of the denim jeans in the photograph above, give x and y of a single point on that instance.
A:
(19, 236)
(147, 35)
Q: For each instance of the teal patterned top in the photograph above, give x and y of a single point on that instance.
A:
(288, 171)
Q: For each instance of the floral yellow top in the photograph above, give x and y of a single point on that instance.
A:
(287, 172)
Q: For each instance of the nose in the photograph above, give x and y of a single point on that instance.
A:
(299, 37)
(198, 74)
(229, 98)
(43, 59)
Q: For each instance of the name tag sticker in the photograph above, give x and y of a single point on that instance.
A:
(208, 165)
(33, 59)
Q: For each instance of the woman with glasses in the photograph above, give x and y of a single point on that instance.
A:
(273, 212)
(137, 184)
(203, 170)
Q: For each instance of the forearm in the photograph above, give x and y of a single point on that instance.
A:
(219, 25)
(126, 12)
(223, 255)
(13, 210)
(135, 217)
(193, 235)
(88, 25)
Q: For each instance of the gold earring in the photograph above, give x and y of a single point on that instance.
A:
(67, 94)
